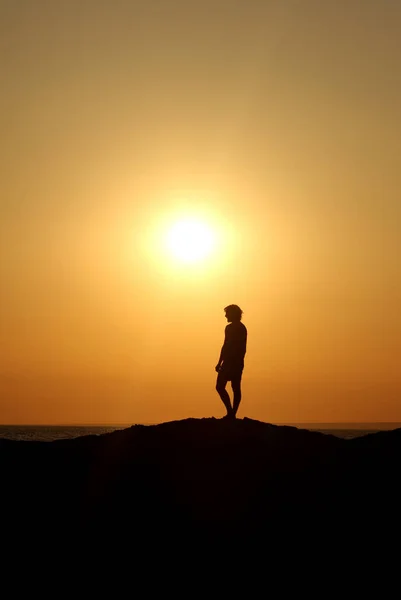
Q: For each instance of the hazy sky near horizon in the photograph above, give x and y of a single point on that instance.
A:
(276, 122)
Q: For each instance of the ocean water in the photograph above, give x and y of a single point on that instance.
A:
(49, 433)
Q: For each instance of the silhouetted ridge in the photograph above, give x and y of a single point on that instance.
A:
(203, 479)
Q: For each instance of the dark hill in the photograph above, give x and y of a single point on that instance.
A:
(202, 480)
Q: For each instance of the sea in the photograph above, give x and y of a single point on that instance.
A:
(50, 433)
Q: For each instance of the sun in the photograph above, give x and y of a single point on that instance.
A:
(190, 240)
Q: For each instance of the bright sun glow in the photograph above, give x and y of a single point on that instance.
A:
(190, 240)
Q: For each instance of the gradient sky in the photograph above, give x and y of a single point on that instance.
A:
(279, 122)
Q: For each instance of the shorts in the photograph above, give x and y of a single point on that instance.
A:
(231, 373)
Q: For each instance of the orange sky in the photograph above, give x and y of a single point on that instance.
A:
(279, 122)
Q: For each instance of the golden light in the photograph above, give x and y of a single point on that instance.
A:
(190, 240)
(184, 239)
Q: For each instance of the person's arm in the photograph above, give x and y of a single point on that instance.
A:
(222, 353)
(221, 359)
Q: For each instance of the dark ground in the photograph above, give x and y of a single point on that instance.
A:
(204, 483)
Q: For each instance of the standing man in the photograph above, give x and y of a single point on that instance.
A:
(231, 361)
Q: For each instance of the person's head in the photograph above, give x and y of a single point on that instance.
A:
(233, 313)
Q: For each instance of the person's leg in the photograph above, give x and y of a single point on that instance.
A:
(221, 389)
(236, 387)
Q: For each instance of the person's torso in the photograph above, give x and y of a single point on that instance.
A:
(236, 338)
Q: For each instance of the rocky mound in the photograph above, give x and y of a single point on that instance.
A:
(202, 480)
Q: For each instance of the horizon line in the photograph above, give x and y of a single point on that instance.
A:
(131, 424)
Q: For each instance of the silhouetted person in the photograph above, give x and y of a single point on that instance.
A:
(231, 361)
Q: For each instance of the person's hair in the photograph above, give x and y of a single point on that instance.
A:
(234, 311)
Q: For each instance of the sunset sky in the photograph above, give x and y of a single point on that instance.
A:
(275, 125)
